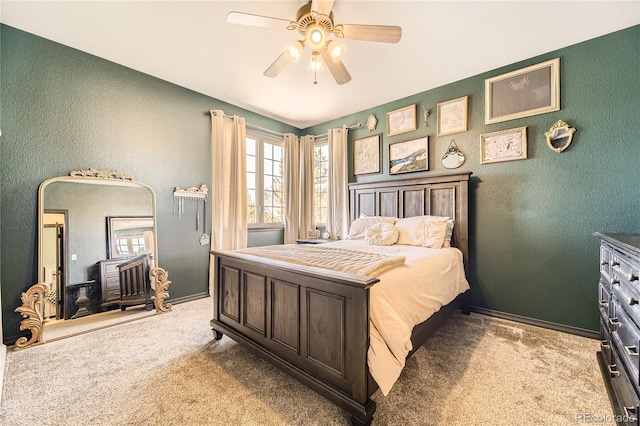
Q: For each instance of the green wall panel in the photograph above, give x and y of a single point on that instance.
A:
(65, 110)
(532, 220)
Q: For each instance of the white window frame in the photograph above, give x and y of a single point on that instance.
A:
(261, 139)
(318, 143)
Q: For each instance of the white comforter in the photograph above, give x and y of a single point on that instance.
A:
(406, 296)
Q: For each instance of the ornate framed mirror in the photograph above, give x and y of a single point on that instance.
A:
(559, 136)
(97, 256)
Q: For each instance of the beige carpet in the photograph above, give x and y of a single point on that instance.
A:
(167, 370)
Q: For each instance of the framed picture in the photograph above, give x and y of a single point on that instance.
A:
(366, 155)
(522, 93)
(452, 116)
(401, 120)
(409, 156)
(506, 145)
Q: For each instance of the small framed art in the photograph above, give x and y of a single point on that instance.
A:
(529, 91)
(506, 145)
(366, 155)
(452, 116)
(401, 120)
(409, 156)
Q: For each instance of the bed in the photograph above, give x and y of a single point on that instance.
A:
(314, 323)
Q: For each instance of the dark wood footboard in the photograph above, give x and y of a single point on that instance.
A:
(313, 323)
(309, 322)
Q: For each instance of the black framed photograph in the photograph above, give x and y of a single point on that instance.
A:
(522, 93)
(505, 145)
(401, 120)
(366, 155)
(409, 156)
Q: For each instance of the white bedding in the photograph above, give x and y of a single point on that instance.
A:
(406, 296)
(358, 262)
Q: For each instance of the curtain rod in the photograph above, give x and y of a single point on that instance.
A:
(254, 127)
(353, 126)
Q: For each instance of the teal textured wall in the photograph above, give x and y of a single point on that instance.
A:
(65, 110)
(532, 220)
(531, 223)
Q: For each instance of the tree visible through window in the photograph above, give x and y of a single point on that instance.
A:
(265, 180)
(320, 182)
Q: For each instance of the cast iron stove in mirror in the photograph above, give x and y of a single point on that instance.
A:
(97, 256)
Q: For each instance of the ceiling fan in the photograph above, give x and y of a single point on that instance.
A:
(314, 21)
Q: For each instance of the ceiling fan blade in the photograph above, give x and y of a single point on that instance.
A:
(257, 20)
(338, 70)
(379, 33)
(323, 7)
(277, 66)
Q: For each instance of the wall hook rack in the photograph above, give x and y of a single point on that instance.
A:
(191, 193)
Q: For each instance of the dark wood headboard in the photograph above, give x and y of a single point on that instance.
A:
(436, 195)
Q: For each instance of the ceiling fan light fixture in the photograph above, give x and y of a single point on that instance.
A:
(316, 62)
(294, 51)
(316, 37)
(336, 50)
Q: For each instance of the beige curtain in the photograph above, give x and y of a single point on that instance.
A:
(306, 210)
(228, 181)
(228, 185)
(149, 247)
(291, 185)
(338, 194)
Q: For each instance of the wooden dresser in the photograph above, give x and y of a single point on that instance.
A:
(107, 275)
(619, 294)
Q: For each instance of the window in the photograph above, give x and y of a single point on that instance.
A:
(131, 244)
(321, 182)
(265, 180)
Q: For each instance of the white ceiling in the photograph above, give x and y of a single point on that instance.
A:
(189, 43)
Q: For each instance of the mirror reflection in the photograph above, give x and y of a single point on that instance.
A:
(96, 251)
(129, 236)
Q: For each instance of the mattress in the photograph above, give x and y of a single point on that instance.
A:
(406, 296)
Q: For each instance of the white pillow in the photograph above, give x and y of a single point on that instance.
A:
(448, 234)
(411, 230)
(425, 231)
(360, 225)
(381, 234)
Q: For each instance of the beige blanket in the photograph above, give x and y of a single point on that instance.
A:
(336, 259)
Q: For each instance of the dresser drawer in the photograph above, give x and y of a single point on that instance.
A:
(605, 342)
(626, 295)
(111, 295)
(625, 267)
(624, 262)
(605, 259)
(111, 268)
(625, 393)
(604, 300)
(112, 282)
(626, 339)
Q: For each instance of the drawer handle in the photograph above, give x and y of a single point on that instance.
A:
(615, 281)
(632, 350)
(605, 344)
(615, 263)
(604, 262)
(630, 413)
(612, 370)
(633, 277)
(614, 322)
(604, 304)
(633, 301)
